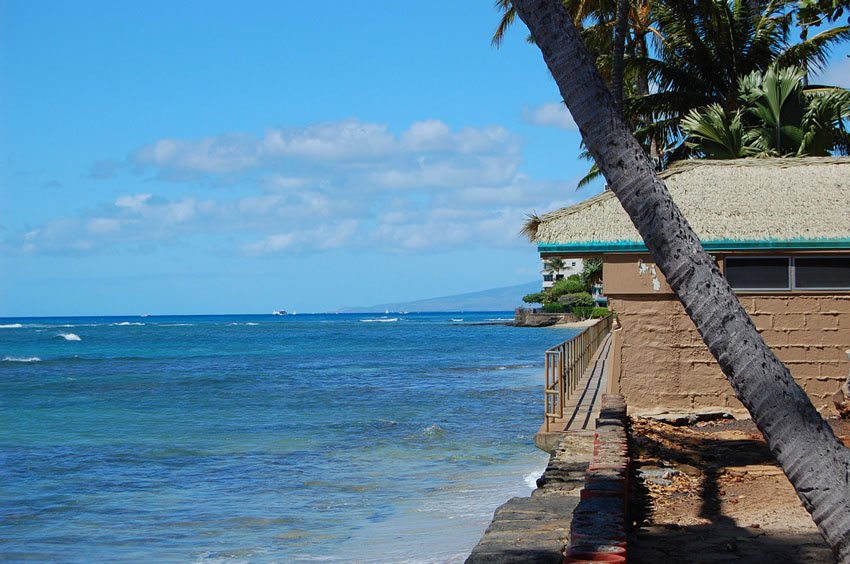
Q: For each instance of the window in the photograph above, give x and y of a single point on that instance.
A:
(547, 277)
(822, 273)
(787, 273)
(758, 273)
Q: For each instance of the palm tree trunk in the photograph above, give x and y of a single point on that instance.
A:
(621, 26)
(804, 35)
(816, 463)
(642, 88)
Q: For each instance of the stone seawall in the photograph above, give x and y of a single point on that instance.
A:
(540, 528)
(534, 318)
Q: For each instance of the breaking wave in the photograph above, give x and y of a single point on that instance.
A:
(11, 326)
(70, 336)
(21, 359)
(380, 320)
(433, 430)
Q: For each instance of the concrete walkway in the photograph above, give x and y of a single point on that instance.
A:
(582, 409)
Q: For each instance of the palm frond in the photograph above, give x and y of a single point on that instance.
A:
(593, 174)
(814, 52)
(529, 228)
(506, 21)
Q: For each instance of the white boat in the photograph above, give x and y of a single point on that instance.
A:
(279, 312)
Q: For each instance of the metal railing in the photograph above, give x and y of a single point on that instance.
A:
(566, 363)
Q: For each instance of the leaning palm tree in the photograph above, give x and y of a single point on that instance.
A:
(816, 463)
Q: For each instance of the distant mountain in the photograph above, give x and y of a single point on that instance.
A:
(497, 299)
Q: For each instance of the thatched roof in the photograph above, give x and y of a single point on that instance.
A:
(732, 204)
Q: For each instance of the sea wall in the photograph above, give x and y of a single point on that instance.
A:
(543, 527)
(535, 318)
(663, 363)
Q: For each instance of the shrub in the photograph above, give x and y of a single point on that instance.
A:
(554, 308)
(590, 312)
(571, 285)
(581, 299)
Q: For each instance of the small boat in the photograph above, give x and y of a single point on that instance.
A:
(280, 312)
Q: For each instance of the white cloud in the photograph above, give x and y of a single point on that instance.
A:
(223, 154)
(101, 225)
(329, 236)
(270, 244)
(343, 140)
(134, 203)
(349, 145)
(347, 184)
(282, 182)
(552, 114)
(430, 135)
(259, 205)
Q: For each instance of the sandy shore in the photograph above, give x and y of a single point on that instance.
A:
(576, 324)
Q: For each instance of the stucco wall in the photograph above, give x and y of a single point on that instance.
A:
(632, 274)
(664, 364)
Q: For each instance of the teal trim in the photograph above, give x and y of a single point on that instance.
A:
(723, 245)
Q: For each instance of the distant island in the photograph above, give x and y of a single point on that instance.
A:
(497, 299)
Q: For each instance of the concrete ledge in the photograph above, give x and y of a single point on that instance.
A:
(536, 529)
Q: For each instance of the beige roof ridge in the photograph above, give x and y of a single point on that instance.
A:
(775, 199)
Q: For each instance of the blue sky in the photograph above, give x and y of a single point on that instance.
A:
(215, 157)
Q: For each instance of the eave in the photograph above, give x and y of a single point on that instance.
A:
(595, 247)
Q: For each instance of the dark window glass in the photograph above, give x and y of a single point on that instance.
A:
(822, 272)
(547, 277)
(758, 273)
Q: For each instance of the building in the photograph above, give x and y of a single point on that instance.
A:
(554, 271)
(779, 230)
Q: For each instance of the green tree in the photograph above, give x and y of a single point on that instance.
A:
(816, 463)
(591, 272)
(554, 266)
(779, 117)
(704, 48)
(535, 298)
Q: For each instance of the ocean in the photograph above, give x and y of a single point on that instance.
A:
(252, 438)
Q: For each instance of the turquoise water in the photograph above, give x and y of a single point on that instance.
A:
(262, 438)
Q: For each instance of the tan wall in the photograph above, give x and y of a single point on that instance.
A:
(664, 365)
(632, 274)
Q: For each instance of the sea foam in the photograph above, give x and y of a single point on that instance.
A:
(11, 326)
(70, 336)
(21, 359)
(531, 478)
(380, 320)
